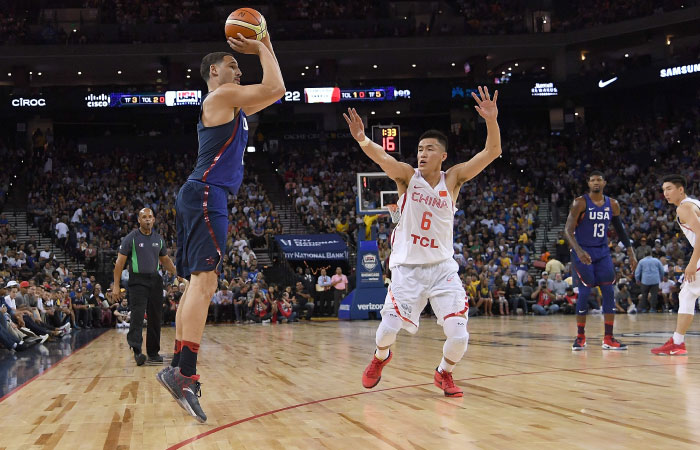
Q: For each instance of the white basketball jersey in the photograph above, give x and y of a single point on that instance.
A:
(689, 234)
(424, 234)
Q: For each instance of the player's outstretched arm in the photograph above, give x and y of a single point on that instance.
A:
(254, 97)
(577, 208)
(488, 110)
(686, 213)
(397, 171)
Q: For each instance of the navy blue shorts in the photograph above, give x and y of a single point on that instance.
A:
(202, 223)
(601, 270)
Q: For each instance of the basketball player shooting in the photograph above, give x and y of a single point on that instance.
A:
(688, 217)
(421, 261)
(201, 205)
(586, 231)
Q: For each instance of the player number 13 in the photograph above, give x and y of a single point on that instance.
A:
(599, 230)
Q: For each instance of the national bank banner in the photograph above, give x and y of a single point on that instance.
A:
(298, 247)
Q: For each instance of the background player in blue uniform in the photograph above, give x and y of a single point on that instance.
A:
(587, 233)
(201, 205)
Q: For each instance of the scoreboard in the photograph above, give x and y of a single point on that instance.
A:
(119, 99)
(388, 136)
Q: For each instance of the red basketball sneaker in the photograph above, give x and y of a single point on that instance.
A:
(444, 381)
(373, 372)
(579, 344)
(610, 343)
(670, 349)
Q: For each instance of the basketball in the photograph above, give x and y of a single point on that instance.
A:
(247, 21)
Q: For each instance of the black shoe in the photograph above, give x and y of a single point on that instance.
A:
(186, 390)
(161, 380)
(156, 359)
(140, 358)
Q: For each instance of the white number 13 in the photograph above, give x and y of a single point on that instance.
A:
(599, 230)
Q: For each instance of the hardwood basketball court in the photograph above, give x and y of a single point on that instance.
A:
(297, 386)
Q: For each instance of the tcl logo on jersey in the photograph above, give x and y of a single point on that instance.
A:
(599, 215)
(23, 102)
(423, 241)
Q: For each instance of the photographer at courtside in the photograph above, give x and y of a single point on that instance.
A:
(146, 251)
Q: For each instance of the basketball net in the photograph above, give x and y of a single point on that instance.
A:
(395, 213)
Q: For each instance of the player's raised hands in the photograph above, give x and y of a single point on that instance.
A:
(357, 128)
(243, 45)
(485, 106)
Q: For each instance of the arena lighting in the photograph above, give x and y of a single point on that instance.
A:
(189, 70)
(9, 74)
(372, 113)
(516, 64)
(158, 70)
(302, 74)
(306, 67)
(80, 73)
(374, 66)
(119, 72)
(413, 65)
(454, 64)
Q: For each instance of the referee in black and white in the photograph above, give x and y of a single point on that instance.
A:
(146, 251)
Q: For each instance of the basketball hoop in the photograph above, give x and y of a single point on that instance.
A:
(395, 213)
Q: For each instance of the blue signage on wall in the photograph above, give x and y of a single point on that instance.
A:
(297, 247)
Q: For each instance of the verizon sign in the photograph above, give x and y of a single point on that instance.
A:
(28, 102)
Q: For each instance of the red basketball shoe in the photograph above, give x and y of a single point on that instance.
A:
(444, 381)
(670, 349)
(373, 372)
(610, 343)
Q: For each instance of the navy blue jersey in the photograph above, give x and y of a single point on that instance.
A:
(592, 228)
(221, 150)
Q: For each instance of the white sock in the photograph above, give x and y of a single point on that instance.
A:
(445, 366)
(382, 354)
(678, 339)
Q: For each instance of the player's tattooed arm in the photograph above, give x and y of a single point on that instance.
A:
(688, 217)
(577, 208)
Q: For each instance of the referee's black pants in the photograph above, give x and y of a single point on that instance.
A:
(145, 296)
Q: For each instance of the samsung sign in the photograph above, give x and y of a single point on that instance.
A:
(28, 102)
(679, 70)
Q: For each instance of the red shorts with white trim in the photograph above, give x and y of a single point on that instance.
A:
(413, 286)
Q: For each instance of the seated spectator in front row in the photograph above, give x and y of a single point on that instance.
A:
(123, 314)
(514, 296)
(285, 309)
(544, 297)
(623, 299)
(260, 310)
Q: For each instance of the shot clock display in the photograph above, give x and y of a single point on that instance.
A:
(388, 136)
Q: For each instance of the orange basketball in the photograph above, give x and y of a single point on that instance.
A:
(248, 22)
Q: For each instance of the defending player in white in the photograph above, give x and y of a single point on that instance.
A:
(421, 261)
(688, 212)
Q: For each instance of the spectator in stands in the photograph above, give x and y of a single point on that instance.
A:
(285, 309)
(484, 296)
(544, 296)
(323, 290)
(643, 250)
(304, 300)
(649, 273)
(559, 287)
(554, 266)
(223, 303)
(123, 314)
(623, 299)
(339, 282)
(548, 281)
(517, 301)
(666, 287)
(569, 304)
(259, 309)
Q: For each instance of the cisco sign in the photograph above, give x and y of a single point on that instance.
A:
(27, 102)
(97, 101)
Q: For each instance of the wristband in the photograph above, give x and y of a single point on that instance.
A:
(365, 142)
